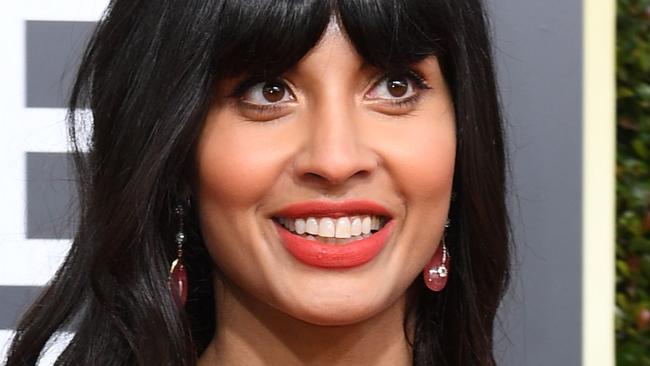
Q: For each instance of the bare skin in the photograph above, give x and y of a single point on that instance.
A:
(254, 333)
(333, 131)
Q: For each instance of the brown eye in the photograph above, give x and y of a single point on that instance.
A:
(397, 87)
(273, 92)
(268, 92)
(394, 88)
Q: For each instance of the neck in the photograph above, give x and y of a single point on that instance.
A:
(250, 332)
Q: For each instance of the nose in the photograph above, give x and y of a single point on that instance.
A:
(335, 152)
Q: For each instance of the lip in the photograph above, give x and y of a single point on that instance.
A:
(315, 253)
(332, 209)
(352, 254)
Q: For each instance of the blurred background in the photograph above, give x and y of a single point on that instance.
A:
(633, 183)
(580, 295)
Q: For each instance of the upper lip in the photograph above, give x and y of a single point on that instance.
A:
(332, 209)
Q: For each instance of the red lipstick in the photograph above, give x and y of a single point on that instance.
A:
(318, 254)
(332, 209)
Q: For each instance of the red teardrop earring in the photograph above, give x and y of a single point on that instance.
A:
(177, 275)
(436, 275)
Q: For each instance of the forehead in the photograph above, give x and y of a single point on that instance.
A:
(333, 52)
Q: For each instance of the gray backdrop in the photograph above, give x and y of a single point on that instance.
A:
(538, 50)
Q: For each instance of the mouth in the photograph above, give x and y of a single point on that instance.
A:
(335, 231)
(334, 234)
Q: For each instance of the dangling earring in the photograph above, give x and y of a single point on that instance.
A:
(436, 275)
(177, 275)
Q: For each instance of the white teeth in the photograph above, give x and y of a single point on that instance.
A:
(326, 228)
(355, 229)
(300, 226)
(343, 228)
(311, 226)
(366, 225)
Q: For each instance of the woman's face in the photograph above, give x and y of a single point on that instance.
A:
(330, 147)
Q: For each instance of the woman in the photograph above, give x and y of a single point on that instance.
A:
(327, 178)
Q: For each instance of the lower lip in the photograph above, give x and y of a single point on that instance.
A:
(352, 254)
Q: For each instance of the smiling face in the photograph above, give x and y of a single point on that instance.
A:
(332, 138)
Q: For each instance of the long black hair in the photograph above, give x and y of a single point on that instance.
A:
(142, 93)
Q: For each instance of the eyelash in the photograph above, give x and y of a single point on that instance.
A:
(418, 81)
(243, 87)
(261, 109)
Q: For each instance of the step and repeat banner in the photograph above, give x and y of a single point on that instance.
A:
(41, 42)
(540, 48)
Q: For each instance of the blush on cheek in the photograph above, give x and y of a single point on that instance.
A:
(229, 171)
(238, 162)
(425, 170)
(228, 182)
(433, 170)
(432, 180)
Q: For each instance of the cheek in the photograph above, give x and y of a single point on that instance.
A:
(235, 168)
(421, 158)
(235, 171)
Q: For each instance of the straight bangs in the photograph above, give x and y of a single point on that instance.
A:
(267, 37)
(259, 37)
(393, 34)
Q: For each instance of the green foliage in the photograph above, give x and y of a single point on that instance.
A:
(633, 184)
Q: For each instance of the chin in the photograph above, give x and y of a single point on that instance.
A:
(336, 312)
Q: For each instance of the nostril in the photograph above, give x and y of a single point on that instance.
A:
(333, 179)
(329, 166)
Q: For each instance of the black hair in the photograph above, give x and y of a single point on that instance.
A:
(149, 76)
